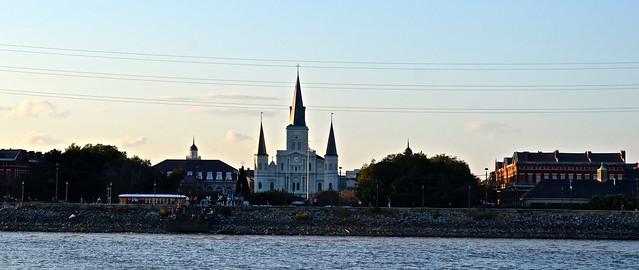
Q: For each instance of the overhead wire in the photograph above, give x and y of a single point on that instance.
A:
(335, 86)
(372, 65)
(355, 109)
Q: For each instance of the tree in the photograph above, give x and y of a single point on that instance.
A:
(242, 186)
(400, 178)
(89, 170)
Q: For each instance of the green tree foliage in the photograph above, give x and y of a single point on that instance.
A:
(400, 177)
(242, 186)
(326, 197)
(89, 170)
(611, 202)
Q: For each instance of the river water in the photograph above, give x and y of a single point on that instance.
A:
(34, 250)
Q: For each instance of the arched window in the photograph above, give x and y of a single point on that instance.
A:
(229, 176)
(199, 175)
(319, 186)
(259, 185)
(330, 186)
(209, 176)
(272, 186)
(218, 176)
(189, 173)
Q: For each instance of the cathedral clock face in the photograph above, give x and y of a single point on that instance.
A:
(296, 159)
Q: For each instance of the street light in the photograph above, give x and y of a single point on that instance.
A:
(109, 189)
(57, 169)
(486, 181)
(22, 201)
(66, 192)
(377, 195)
(422, 195)
(154, 188)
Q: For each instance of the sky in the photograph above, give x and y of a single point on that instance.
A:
(477, 80)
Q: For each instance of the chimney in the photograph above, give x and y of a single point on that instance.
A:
(623, 155)
(557, 155)
(589, 156)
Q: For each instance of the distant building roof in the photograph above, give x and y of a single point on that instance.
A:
(581, 189)
(586, 157)
(195, 165)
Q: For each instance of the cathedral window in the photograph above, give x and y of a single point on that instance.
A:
(299, 146)
(209, 176)
(229, 176)
(218, 176)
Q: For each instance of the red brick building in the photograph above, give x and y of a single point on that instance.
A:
(15, 163)
(517, 174)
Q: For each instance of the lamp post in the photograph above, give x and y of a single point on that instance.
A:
(109, 189)
(422, 195)
(66, 192)
(22, 200)
(468, 196)
(486, 181)
(155, 184)
(57, 169)
(377, 195)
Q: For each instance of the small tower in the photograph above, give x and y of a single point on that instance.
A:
(408, 151)
(602, 174)
(331, 159)
(261, 159)
(193, 151)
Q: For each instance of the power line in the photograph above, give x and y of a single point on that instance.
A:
(594, 65)
(353, 109)
(326, 61)
(335, 86)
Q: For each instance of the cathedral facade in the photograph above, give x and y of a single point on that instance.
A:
(297, 169)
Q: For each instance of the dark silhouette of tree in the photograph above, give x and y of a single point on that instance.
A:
(89, 170)
(242, 186)
(400, 178)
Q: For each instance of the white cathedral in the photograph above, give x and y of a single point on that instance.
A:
(298, 169)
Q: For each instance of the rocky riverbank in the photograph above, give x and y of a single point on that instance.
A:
(414, 222)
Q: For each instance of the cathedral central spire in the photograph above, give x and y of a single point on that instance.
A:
(297, 109)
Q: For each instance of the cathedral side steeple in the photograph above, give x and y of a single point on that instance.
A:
(331, 148)
(261, 146)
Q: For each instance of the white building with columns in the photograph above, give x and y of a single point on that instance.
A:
(297, 169)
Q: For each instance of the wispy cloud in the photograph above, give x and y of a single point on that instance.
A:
(228, 112)
(491, 129)
(231, 96)
(35, 108)
(130, 141)
(39, 139)
(236, 137)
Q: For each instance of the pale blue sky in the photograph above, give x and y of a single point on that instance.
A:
(480, 63)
